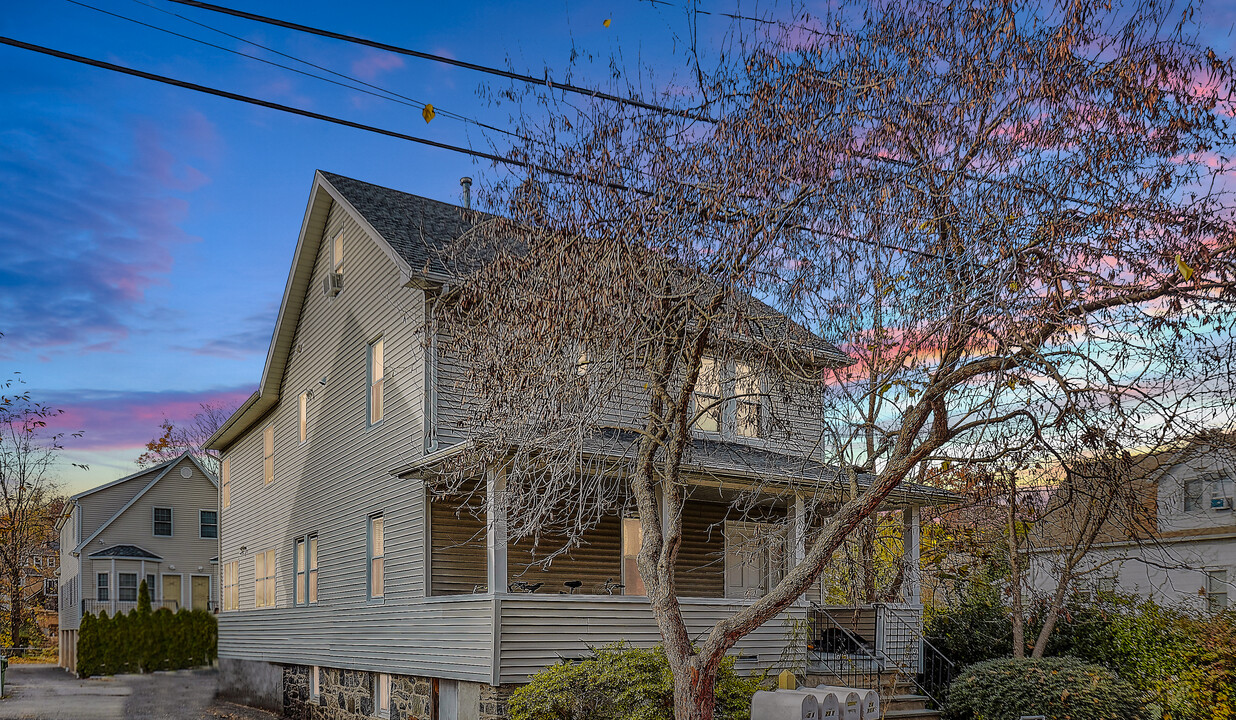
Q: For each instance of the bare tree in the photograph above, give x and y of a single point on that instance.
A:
(29, 455)
(189, 436)
(1024, 200)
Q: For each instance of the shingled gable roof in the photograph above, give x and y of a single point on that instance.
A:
(411, 230)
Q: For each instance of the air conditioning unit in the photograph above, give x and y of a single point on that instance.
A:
(1220, 502)
(332, 284)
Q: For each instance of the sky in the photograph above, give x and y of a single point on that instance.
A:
(147, 231)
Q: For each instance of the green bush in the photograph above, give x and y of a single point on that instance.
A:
(623, 683)
(143, 641)
(1058, 688)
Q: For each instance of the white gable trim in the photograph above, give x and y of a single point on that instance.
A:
(133, 500)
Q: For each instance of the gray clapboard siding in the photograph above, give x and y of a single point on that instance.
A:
(538, 631)
(330, 484)
(99, 507)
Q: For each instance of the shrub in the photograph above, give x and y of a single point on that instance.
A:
(623, 683)
(145, 641)
(1058, 688)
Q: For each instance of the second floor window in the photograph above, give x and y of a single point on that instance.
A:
(268, 454)
(376, 381)
(377, 557)
(225, 483)
(337, 254)
(264, 579)
(163, 522)
(748, 401)
(1216, 590)
(231, 585)
(303, 403)
(708, 397)
(209, 524)
(1193, 494)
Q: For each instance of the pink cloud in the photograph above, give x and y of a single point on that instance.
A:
(373, 63)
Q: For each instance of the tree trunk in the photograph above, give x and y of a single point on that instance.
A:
(695, 692)
(1053, 613)
(16, 601)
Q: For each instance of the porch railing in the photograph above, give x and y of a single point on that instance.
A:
(882, 655)
(90, 606)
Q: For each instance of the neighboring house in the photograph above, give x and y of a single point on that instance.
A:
(160, 525)
(349, 591)
(1175, 543)
(39, 576)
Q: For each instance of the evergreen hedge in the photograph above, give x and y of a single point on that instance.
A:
(1059, 688)
(145, 641)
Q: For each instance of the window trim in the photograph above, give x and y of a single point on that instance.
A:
(271, 563)
(305, 570)
(268, 454)
(372, 385)
(370, 557)
(230, 591)
(201, 524)
(225, 483)
(154, 522)
(302, 403)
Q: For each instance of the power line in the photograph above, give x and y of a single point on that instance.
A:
(409, 101)
(546, 81)
(276, 106)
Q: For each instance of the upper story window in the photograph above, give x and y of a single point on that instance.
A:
(231, 585)
(306, 571)
(162, 522)
(708, 404)
(336, 254)
(377, 557)
(303, 407)
(225, 483)
(268, 453)
(208, 524)
(729, 399)
(264, 579)
(376, 381)
(1208, 492)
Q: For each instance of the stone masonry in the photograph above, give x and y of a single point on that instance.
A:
(348, 695)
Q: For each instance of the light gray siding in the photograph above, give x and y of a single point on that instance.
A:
(330, 484)
(70, 570)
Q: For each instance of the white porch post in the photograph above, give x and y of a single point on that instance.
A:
(495, 532)
(910, 534)
(111, 588)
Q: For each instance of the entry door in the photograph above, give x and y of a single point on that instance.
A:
(201, 592)
(171, 591)
(752, 558)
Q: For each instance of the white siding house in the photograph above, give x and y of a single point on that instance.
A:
(346, 585)
(160, 525)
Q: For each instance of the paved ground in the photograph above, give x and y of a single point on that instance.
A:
(46, 692)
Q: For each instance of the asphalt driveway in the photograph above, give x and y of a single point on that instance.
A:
(46, 692)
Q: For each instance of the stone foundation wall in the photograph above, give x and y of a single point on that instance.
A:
(493, 702)
(348, 695)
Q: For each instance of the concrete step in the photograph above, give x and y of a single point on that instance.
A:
(907, 702)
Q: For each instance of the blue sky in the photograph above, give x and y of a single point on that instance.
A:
(147, 230)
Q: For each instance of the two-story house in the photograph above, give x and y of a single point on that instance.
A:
(159, 525)
(351, 590)
(1176, 545)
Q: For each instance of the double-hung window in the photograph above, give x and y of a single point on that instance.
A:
(708, 397)
(376, 381)
(150, 586)
(101, 594)
(377, 557)
(225, 483)
(208, 524)
(126, 587)
(264, 579)
(268, 454)
(1216, 590)
(162, 522)
(1193, 494)
(306, 574)
(231, 585)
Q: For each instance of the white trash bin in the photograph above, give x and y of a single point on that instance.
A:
(784, 705)
(869, 700)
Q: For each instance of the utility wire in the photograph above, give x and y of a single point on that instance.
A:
(283, 108)
(546, 81)
(409, 101)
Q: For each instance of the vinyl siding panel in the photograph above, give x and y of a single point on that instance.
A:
(70, 571)
(540, 631)
(99, 507)
(331, 483)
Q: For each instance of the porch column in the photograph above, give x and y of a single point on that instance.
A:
(910, 534)
(495, 529)
(798, 530)
(111, 588)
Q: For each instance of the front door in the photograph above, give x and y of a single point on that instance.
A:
(171, 592)
(201, 592)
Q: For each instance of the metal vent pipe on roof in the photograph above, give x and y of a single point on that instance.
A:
(466, 184)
